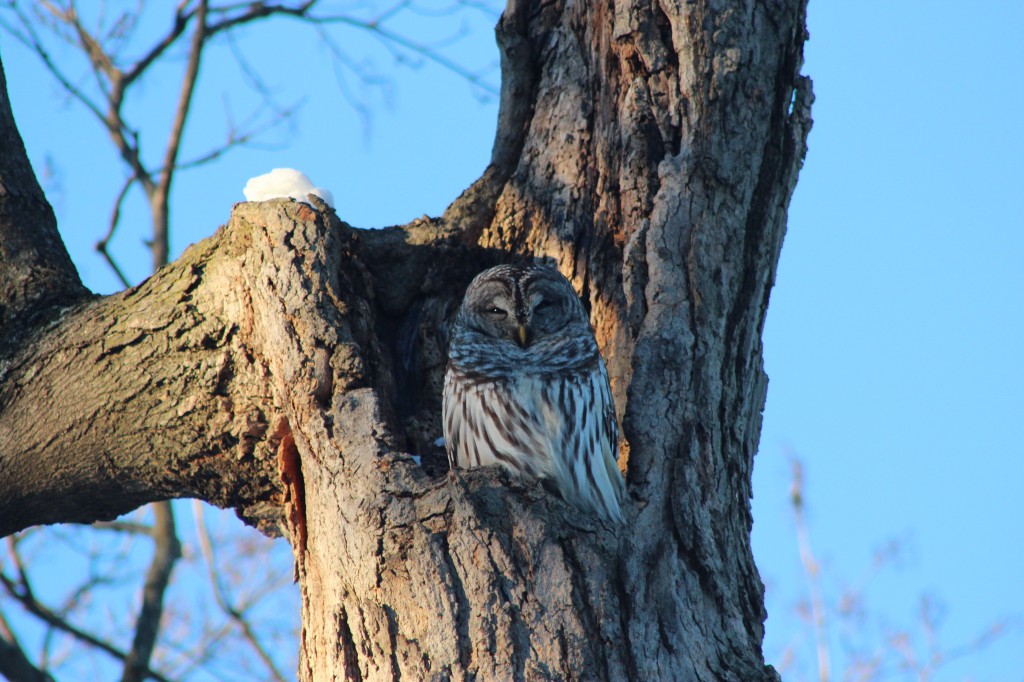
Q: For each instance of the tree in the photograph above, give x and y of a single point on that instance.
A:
(122, 54)
(285, 366)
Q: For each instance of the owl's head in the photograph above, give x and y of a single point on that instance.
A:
(523, 305)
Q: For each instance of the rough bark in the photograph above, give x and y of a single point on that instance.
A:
(35, 270)
(649, 150)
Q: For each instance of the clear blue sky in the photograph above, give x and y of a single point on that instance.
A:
(893, 339)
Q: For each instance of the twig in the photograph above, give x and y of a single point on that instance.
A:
(124, 527)
(811, 571)
(255, 11)
(30, 39)
(235, 614)
(389, 39)
(115, 218)
(178, 27)
(21, 591)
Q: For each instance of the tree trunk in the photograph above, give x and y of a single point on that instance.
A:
(286, 365)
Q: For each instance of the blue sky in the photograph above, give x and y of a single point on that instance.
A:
(893, 340)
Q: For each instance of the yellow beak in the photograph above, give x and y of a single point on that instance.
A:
(523, 335)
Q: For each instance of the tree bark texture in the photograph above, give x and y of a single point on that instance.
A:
(649, 149)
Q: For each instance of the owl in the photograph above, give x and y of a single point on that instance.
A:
(526, 388)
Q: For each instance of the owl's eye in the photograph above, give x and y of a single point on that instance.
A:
(496, 312)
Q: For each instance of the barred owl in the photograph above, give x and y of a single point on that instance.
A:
(526, 387)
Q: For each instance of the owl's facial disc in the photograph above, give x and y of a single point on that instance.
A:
(494, 312)
(523, 310)
(501, 320)
(548, 310)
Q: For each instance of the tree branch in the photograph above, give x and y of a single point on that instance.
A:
(111, 120)
(14, 665)
(390, 39)
(36, 273)
(129, 527)
(178, 27)
(100, 60)
(166, 552)
(812, 571)
(115, 218)
(30, 39)
(192, 419)
(253, 12)
(22, 592)
(159, 199)
(208, 372)
(235, 614)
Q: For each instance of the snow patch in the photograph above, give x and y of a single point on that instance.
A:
(285, 183)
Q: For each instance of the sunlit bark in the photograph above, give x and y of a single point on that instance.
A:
(651, 152)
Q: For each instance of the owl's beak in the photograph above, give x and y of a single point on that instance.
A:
(524, 335)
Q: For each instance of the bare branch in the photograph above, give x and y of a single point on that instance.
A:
(996, 630)
(21, 591)
(124, 139)
(253, 12)
(255, 81)
(391, 11)
(811, 572)
(100, 60)
(178, 27)
(147, 626)
(14, 665)
(121, 30)
(101, 45)
(30, 39)
(124, 527)
(341, 58)
(115, 218)
(235, 614)
(159, 198)
(234, 140)
(390, 39)
(188, 85)
(247, 131)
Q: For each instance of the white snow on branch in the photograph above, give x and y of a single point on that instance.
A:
(284, 183)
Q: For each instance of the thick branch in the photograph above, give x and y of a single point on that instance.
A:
(145, 395)
(35, 270)
(164, 390)
(474, 209)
